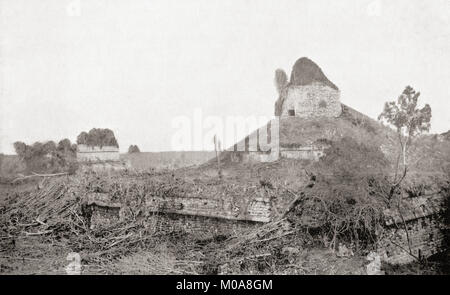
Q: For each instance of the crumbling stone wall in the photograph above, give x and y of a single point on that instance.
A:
(315, 100)
(425, 235)
(99, 211)
(200, 226)
(252, 209)
(419, 227)
(206, 218)
(306, 153)
(212, 217)
(108, 166)
(248, 157)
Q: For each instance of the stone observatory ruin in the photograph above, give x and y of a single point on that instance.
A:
(307, 100)
(309, 93)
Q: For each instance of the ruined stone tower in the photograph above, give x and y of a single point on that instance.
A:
(309, 93)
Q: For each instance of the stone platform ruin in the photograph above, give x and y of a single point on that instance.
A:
(223, 217)
(415, 232)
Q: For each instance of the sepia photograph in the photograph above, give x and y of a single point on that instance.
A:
(212, 137)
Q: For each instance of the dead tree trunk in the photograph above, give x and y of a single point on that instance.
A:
(217, 150)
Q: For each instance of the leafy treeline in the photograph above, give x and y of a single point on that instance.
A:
(47, 157)
(98, 137)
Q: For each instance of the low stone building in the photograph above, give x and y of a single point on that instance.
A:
(312, 152)
(86, 153)
(100, 159)
(199, 215)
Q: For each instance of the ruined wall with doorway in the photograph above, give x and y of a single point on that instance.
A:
(315, 100)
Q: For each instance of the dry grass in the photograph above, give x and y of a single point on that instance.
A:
(10, 166)
(159, 160)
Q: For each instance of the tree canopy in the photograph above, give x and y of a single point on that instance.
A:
(409, 121)
(98, 137)
(404, 114)
(47, 156)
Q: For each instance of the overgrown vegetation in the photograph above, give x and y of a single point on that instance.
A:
(336, 206)
(55, 214)
(317, 206)
(341, 204)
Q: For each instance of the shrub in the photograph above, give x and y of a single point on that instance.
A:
(342, 201)
(133, 149)
(347, 159)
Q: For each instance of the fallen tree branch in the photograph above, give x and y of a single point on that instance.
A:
(292, 204)
(273, 238)
(39, 175)
(27, 224)
(38, 233)
(251, 257)
(40, 222)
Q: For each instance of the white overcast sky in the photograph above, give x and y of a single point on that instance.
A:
(134, 66)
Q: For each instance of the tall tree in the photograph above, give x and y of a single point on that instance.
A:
(82, 138)
(21, 149)
(408, 120)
